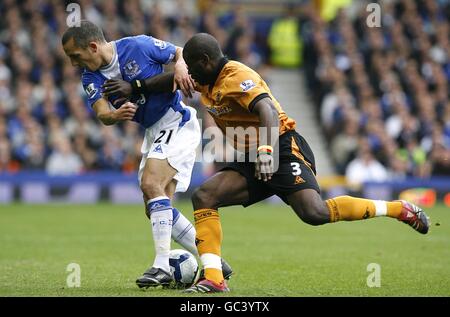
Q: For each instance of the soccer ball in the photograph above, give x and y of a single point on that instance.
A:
(183, 267)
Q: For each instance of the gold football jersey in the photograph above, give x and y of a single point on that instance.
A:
(230, 101)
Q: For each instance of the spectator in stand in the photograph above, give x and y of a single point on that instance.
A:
(7, 164)
(62, 160)
(85, 149)
(285, 40)
(345, 145)
(365, 168)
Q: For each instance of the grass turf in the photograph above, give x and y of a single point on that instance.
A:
(271, 251)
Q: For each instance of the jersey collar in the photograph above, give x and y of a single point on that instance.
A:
(223, 61)
(114, 58)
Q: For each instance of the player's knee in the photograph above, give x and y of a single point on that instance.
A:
(203, 198)
(313, 219)
(314, 214)
(317, 214)
(152, 189)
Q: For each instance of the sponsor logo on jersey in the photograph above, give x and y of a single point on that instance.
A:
(131, 69)
(142, 100)
(91, 90)
(158, 149)
(161, 44)
(219, 110)
(247, 85)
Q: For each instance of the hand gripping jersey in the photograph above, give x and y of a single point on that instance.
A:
(231, 99)
(138, 57)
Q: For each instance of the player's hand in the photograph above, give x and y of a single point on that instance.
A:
(125, 112)
(117, 87)
(264, 167)
(183, 80)
(119, 101)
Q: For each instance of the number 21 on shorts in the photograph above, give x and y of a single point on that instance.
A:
(162, 134)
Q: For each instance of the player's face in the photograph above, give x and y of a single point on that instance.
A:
(83, 57)
(199, 70)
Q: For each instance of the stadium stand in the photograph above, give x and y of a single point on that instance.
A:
(382, 93)
(44, 123)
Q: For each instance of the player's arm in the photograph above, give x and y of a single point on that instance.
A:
(108, 116)
(160, 83)
(269, 120)
(156, 84)
(182, 79)
(92, 83)
(165, 82)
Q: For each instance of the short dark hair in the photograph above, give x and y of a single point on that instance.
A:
(203, 43)
(83, 34)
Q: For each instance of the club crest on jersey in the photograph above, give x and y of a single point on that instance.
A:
(91, 90)
(131, 69)
(248, 84)
(218, 96)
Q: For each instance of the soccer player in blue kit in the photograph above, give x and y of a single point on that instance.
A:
(172, 130)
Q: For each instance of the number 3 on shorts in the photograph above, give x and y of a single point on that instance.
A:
(296, 167)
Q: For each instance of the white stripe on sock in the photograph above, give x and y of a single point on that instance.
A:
(211, 261)
(380, 208)
(157, 198)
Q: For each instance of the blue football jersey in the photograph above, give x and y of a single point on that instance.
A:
(137, 57)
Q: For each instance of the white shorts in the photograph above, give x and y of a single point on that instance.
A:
(167, 140)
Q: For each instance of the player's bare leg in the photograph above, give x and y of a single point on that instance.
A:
(169, 191)
(226, 188)
(310, 207)
(156, 177)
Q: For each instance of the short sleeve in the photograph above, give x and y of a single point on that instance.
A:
(157, 50)
(246, 87)
(92, 86)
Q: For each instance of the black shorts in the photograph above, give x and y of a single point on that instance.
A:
(296, 171)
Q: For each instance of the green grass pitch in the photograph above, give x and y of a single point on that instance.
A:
(272, 252)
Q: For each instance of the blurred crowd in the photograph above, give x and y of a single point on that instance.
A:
(44, 121)
(383, 92)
